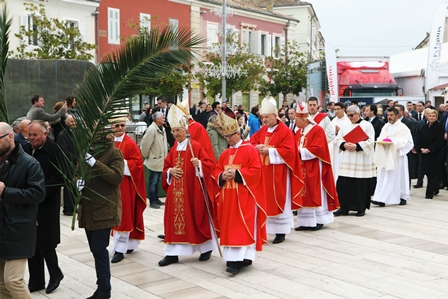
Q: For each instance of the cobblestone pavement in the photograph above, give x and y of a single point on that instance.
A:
(392, 252)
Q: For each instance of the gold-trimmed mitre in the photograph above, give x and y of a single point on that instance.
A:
(229, 125)
(177, 118)
(183, 105)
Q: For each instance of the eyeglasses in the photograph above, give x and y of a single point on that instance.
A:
(3, 136)
(120, 125)
(229, 136)
(350, 115)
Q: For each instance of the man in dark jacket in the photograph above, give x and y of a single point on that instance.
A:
(65, 142)
(100, 210)
(22, 188)
(48, 154)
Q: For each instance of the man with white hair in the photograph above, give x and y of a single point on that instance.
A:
(320, 197)
(280, 163)
(357, 168)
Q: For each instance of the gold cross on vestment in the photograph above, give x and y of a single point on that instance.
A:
(231, 184)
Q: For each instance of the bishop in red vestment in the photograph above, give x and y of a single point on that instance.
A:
(319, 195)
(241, 201)
(130, 232)
(186, 220)
(282, 177)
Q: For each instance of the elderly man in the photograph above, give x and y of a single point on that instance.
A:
(280, 164)
(131, 231)
(356, 142)
(241, 201)
(320, 197)
(37, 111)
(394, 142)
(49, 156)
(321, 118)
(22, 188)
(339, 121)
(65, 142)
(154, 150)
(186, 171)
(22, 136)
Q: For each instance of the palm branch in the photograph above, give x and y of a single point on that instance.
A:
(122, 74)
(5, 24)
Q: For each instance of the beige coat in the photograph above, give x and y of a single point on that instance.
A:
(154, 147)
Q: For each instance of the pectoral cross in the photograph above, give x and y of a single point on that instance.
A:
(265, 159)
(231, 184)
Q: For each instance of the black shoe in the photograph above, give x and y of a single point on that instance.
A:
(340, 212)
(53, 285)
(130, 251)
(317, 227)
(234, 267)
(418, 186)
(428, 197)
(436, 192)
(205, 256)
(279, 238)
(375, 202)
(102, 296)
(118, 257)
(360, 213)
(94, 296)
(294, 213)
(160, 203)
(35, 289)
(381, 204)
(68, 213)
(402, 202)
(154, 206)
(161, 237)
(168, 260)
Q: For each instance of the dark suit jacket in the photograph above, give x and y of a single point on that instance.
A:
(431, 137)
(288, 123)
(414, 114)
(378, 124)
(48, 227)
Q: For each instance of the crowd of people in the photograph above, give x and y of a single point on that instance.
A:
(230, 179)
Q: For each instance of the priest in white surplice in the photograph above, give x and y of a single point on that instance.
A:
(339, 122)
(394, 142)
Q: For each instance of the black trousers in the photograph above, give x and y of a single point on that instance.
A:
(432, 186)
(36, 267)
(68, 201)
(98, 242)
(420, 170)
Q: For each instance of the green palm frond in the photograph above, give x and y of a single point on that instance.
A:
(123, 74)
(5, 24)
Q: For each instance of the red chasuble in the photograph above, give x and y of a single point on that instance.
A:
(133, 190)
(241, 207)
(316, 143)
(319, 117)
(274, 175)
(186, 220)
(199, 134)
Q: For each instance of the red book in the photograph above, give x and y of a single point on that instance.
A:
(356, 135)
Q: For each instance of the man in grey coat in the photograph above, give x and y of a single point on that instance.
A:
(154, 150)
(22, 188)
(37, 111)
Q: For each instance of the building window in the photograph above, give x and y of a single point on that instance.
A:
(277, 47)
(263, 44)
(113, 26)
(27, 22)
(145, 22)
(174, 27)
(212, 34)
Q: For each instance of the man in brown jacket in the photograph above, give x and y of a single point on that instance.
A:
(100, 210)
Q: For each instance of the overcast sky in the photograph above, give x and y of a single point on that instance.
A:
(381, 27)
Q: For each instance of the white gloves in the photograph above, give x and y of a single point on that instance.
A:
(90, 159)
(80, 184)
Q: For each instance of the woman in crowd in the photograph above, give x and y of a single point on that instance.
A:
(429, 142)
(243, 127)
(216, 135)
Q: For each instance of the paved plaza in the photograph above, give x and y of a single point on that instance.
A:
(392, 252)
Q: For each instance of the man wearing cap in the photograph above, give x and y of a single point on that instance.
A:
(280, 164)
(321, 118)
(319, 197)
(186, 221)
(241, 201)
(130, 232)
